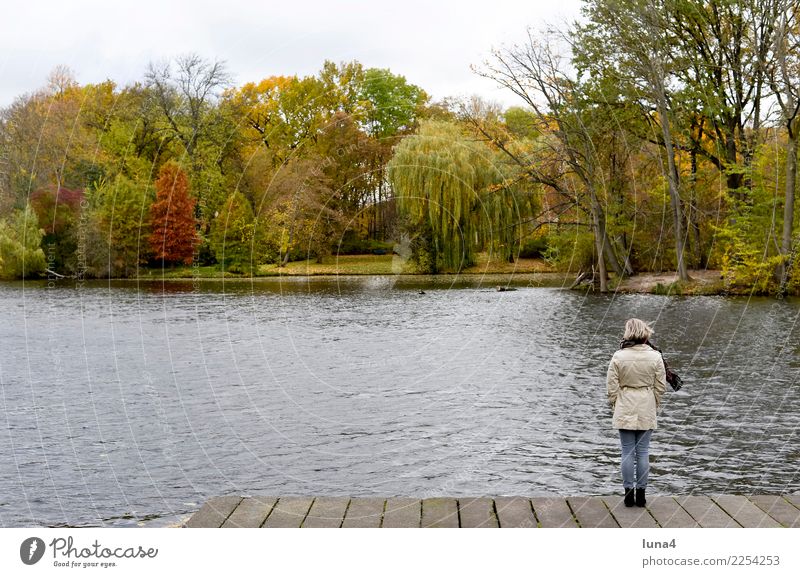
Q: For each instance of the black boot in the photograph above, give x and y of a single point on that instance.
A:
(640, 500)
(629, 497)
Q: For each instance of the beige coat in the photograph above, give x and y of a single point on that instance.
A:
(636, 381)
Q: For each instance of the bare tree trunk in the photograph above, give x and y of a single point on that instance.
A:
(692, 220)
(674, 184)
(600, 241)
(611, 255)
(788, 208)
(784, 84)
(599, 249)
(285, 259)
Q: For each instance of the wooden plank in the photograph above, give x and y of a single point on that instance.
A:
(663, 511)
(553, 512)
(669, 514)
(638, 517)
(364, 513)
(514, 512)
(288, 512)
(778, 508)
(251, 512)
(793, 499)
(402, 512)
(744, 511)
(214, 512)
(591, 512)
(326, 512)
(440, 512)
(705, 511)
(477, 512)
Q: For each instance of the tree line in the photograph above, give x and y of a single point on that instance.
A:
(183, 167)
(647, 137)
(667, 131)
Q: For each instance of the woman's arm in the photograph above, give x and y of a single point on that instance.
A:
(661, 381)
(612, 382)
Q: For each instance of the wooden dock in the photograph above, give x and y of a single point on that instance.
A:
(662, 511)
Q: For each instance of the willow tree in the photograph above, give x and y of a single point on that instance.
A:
(456, 194)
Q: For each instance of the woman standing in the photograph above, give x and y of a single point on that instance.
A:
(636, 381)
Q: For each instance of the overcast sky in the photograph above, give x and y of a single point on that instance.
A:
(431, 43)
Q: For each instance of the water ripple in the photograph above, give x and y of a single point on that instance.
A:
(129, 404)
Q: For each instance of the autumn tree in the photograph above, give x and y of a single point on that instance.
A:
(46, 144)
(174, 236)
(352, 164)
(566, 154)
(280, 113)
(302, 219)
(632, 39)
(59, 210)
(186, 93)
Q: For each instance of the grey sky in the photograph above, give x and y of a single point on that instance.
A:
(431, 43)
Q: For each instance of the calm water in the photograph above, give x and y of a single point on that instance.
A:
(130, 403)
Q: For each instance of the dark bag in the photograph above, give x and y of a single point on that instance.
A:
(673, 378)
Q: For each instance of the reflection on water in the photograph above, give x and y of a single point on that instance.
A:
(130, 402)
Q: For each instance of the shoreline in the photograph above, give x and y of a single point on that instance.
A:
(701, 282)
(525, 273)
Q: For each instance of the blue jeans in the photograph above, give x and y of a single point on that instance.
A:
(635, 455)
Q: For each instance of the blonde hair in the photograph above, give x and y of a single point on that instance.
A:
(637, 330)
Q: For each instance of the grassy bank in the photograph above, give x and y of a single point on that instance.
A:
(703, 282)
(366, 264)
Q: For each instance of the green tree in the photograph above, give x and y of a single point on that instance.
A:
(121, 213)
(21, 255)
(392, 104)
(232, 235)
(391, 108)
(633, 34)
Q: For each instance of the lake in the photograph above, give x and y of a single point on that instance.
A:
(130, 403)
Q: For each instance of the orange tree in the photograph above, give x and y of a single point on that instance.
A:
(174, 232)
